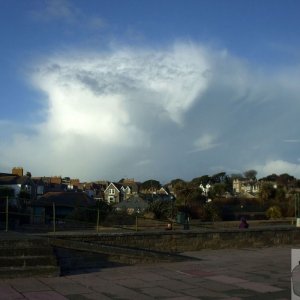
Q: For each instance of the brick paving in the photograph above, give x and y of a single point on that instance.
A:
(231, 274)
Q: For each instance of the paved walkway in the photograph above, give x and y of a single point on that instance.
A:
(220, 274)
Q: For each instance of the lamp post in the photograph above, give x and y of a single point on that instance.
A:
(297, 208)
(172, 198)
(98, 213)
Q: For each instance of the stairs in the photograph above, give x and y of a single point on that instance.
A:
(26, 256)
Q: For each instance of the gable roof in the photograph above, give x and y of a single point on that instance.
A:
(133, 202)
(66, 199)
(117, 186)
(11, 180)
(6, 174)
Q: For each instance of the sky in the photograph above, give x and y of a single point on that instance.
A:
(149, 89)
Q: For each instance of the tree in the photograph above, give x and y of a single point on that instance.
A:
(161, 209)
(187, 193)
(175, 181)
(211, 212)
(286, 180)
(150, 184)
(204, 180)
(273, 178)
(266, 192)
(218, 178)
(217, 190)
(250, 174)
(182, 192)
(280, 194)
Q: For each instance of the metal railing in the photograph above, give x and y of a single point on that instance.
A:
(80, 218)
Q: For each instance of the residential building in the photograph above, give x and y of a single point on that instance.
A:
(245, 186)
(64, 202)
(113, 193)
(18, 184)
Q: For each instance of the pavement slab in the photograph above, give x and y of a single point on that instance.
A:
(27, 285)
(159, 292)
(204, 293)
(258, 287)
(65, 286)
(231, 274)
(175, 285)
(47, 295)
(135, 283)
(8, 293)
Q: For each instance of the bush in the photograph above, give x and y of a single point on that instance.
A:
(273, 212)
(161, 209)
(211, 211)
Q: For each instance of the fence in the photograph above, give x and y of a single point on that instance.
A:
(22, 216)
(54, 218)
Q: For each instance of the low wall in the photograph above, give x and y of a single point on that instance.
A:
(189, 240)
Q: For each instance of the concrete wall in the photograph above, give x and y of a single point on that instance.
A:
(180, 241)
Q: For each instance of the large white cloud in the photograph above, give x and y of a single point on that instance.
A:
(180, 111)
(279, 167)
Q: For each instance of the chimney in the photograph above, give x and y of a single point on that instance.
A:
(17, 171)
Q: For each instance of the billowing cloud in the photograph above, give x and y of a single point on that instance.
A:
(279, 167)
(180, 111)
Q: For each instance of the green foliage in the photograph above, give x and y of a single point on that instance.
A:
(150, 184)
(274, 212)
(217, 190)
(211, 212)
(187, 193)
(219, 178)
(161, 209)
(176, 181)
(250, 174)
(286, 179)
(272, 178)
(266, 193)
(204, 180)
(280, 194)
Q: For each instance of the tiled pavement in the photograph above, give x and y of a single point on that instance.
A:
(232, 274)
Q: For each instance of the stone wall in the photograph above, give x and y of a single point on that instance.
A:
(180, 241)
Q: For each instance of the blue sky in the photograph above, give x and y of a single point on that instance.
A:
(149, 89)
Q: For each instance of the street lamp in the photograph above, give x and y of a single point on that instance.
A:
(172, 198)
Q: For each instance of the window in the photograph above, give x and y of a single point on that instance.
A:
(111, 191)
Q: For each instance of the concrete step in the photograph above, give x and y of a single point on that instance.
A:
(29, 271)
(9, 251)
(24, 255)
(23, 261)
(24, 243)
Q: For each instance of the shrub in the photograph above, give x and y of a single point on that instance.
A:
(274, 212)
